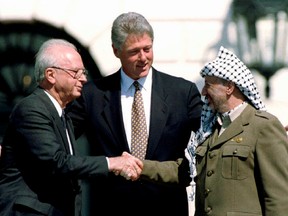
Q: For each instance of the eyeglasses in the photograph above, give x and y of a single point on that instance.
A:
(78, 73)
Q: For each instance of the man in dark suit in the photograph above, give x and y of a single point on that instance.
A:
(172, 109)
(39, 168)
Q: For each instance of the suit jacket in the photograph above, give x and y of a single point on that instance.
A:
(245, 170)
(37, 170)
(175, 111)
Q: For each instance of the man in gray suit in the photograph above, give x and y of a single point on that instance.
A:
(39, 167)
(241, 164)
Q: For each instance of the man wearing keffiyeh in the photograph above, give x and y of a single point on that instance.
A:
(238, 157)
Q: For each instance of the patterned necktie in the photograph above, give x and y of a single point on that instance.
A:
(139, 129)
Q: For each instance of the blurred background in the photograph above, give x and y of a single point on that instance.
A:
(188, 33)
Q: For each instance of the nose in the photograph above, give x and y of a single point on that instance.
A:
(142, 55)
(83, 78)
(204, 92)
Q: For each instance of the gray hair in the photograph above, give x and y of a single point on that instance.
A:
(45, 58)
(129, 23)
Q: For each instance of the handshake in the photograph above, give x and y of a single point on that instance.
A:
(126, 165)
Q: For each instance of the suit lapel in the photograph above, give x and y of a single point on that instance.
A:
(159, 112)
(63, 133)
(112, 112)
(113, 117)
(55, 117)
(235, 128)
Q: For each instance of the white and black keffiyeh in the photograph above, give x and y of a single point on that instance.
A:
(226, 66)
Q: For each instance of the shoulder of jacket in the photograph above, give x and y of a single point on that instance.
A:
(172, 80)
(264, 114)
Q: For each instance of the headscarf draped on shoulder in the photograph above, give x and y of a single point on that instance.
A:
(229, 67)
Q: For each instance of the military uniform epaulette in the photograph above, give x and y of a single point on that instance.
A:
(264, 114)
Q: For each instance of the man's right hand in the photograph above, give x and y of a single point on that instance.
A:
(126, 165)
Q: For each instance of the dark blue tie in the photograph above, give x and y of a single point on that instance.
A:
(63, 118)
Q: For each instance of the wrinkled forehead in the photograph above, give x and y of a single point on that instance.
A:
(214, 79)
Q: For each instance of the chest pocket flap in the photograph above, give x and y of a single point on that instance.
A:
(236, 151)
(234, 161)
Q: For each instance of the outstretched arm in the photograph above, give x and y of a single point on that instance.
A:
(167, 171)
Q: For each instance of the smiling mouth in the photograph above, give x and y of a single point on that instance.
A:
(141, 66)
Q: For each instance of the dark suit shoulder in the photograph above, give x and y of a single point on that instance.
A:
(170, 83)
(108, 82)
(37, 102)
(32, 101)
(168, 77)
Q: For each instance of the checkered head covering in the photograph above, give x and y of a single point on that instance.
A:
(226, 66)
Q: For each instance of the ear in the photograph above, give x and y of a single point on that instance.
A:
(115, 51)
(230, 88)
(50, 74)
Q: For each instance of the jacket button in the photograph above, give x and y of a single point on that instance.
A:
(207, 191)
(211, 155)
(208, 210)
(210, 172)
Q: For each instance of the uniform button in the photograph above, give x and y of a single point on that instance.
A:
(210, 172)
(208, 210)
(211, 155)
(207, 191)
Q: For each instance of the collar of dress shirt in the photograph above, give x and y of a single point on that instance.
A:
(126, 81)
(56, 104)
(231, 115)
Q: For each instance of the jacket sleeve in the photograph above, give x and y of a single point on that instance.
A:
(167, 172)
(272, 154)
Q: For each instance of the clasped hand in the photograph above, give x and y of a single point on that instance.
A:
(127, 166)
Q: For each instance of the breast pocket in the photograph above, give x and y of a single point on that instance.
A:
(234, 161)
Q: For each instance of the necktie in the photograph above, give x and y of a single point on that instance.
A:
(139, 129)
(63, 118)
(225, 123)
(64, 122)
